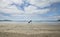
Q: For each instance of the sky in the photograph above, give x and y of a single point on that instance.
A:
(30, 9)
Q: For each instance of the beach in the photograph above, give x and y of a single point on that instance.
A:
(34, 29)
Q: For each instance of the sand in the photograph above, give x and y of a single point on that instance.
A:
(24, 29)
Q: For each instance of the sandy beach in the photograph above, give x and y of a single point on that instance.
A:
(24, 29)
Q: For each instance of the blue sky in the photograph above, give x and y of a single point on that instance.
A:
(30, 9)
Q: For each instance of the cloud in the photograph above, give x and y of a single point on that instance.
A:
(33, 10)
(40, 3)
(54, 17)
(4, 6)
(11, 10)
(7, 8)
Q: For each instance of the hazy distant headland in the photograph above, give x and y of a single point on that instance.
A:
(4, 20)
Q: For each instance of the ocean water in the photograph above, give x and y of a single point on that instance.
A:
(33, 23)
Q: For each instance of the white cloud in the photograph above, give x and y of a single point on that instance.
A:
(52, 17)
(52, 1)
(11, 10)
(40, 3)
(56, 17)
(4, 6)
(33, 10)
(43, 3)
